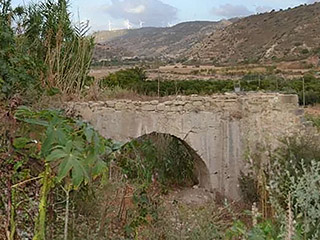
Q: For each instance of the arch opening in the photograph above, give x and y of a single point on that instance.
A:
(173, 160)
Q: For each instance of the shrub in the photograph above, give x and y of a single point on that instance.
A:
(305, 192)
(129, 79)
(288, 161)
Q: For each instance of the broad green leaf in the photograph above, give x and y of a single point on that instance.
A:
(64, 167)
(48, 141)
(69, 146)
(21, 142)
(96, 139)
(77, 174)
(108, 150)
(35, 122)
(55, 155)
(24, 114)
(99, 168)
(60, 135)
(116, 146)
(78, 144)
(90, 159)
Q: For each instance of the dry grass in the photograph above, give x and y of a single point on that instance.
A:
(313, 110)
(113, 209)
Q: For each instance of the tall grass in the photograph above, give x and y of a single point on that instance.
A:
(64, 47)
(68, 64)
(42, 50)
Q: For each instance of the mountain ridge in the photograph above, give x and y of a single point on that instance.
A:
(152, 42)
(285, 35)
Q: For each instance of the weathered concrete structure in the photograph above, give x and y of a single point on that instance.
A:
(220, 129)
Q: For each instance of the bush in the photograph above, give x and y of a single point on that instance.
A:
(125, 78)
(294, 173)
(288, 161)
(305, 193)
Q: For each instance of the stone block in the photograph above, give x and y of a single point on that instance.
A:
(120, 106)
(168, 103)
(148, 107)
(197, 103)
(110, 104)
(289, 99)
(188, 107)
(177, 103)
(161, 107)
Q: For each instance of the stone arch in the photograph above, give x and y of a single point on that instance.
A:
(218, 128)
(201, 171)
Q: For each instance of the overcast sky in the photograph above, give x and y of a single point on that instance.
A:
(116, 14)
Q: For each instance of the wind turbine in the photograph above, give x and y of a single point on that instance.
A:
(127, 24)
(170, 25)
(141, 23)
(110, 26)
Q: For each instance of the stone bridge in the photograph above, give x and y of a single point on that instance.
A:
(220, 130)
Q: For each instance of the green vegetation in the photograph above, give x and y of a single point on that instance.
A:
(135, 80)
(287, 186)
(50, 152)
(67, 152)
(42, 50)
(59, 179)
(150, 157)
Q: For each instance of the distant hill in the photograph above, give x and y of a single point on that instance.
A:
(291, 34)
(103, 36)
(151, 42)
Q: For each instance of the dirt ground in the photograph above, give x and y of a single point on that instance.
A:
(313, 110)
(194, 195)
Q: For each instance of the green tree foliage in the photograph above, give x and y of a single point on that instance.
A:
(129, 78)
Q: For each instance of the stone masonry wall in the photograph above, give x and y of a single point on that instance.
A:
(219, 128)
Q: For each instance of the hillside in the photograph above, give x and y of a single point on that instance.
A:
(287, 35)
(150, 42)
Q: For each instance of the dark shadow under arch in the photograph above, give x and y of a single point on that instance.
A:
(201, 171)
